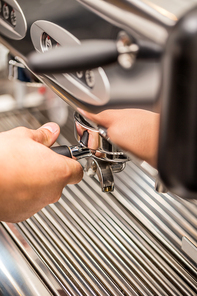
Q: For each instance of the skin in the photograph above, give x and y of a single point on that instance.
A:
(133, 130)
(32, 176)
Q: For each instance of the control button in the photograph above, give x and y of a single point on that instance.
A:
(48, 43)
(13, 17)
(90, 78)
(79, 74)
(6, 11)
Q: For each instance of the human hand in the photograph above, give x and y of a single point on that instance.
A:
(133, 130)
(32, 175)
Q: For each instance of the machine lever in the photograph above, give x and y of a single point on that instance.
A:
(89, 54)
(62, 150)
(72, 58)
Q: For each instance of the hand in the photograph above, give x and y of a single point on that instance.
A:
(32, 176)
(133, 130)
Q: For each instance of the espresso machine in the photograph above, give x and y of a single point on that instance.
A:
(112, 234)
(151, 45)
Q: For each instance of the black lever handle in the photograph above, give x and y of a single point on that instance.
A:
(62, 150)
(87, 55)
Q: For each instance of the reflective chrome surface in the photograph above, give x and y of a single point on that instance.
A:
(128, 242)
(189, 248)
(92, 86)
(112, 84)
(12, 20)
(96, 140)
(106, 158)
(16, 274)
(151, 19)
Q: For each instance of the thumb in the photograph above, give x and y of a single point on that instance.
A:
(46, 134)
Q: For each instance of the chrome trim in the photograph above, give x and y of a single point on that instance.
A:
(189, 248)
(150, 19)
(99, 94)
(19, 31)
(101, 146)
(125, 243)
(16, 275)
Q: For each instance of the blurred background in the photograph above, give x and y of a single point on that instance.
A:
(22, 99)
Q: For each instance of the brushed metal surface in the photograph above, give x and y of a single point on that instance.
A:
(151, 19)
(93, 243)
(18, 31)
(16, 274)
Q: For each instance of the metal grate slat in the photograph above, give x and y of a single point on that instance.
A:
(124, 243)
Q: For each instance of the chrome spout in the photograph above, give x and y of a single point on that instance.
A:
(104, 172)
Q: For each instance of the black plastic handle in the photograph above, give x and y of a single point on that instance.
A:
(88, 55)
(149, 50)
(62, 150)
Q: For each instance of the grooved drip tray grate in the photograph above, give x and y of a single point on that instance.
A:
(128, 242)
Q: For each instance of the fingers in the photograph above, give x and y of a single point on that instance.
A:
(104, 118)
(46, 134)
(76, 171)
(57, 166)
(133, 130)
(64, 170)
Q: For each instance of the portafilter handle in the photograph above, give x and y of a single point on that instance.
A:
(103, 169)
(89, 54)
(103, 159)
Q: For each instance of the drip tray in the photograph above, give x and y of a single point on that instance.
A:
(128, 242)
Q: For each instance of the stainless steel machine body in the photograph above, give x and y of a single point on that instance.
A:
(133, 241)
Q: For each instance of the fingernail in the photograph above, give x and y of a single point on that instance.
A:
(52, 127)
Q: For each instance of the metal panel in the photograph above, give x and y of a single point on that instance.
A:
(16, 275)
(93, 243)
